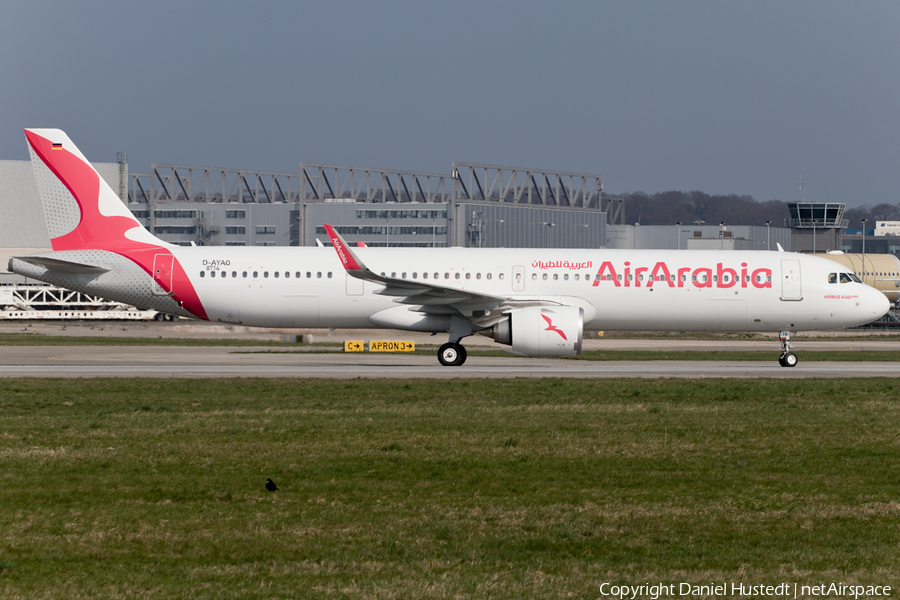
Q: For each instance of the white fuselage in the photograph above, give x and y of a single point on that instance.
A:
(617, 289)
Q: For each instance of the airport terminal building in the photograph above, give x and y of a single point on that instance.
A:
(474, 205)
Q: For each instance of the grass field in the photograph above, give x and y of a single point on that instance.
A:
(432, 489)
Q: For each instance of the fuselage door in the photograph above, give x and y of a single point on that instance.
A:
(354, 286)
(518, 282)
(162, 274)
(790, 280)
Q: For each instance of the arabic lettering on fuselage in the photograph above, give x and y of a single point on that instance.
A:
(699, 277)
(561, 264)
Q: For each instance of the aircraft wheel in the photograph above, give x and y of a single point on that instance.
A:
(452, 355)
(788, 360)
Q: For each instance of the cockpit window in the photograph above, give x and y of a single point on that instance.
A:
(843, 278)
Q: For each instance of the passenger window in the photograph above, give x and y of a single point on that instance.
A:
(566, 276)
(457, 275)
(287, 274)
(297, 274)
(245, 273)
(234, 273)
(308, 275)
(533, 276)
(545, 277)
(555, 276)
(202, 273)
(468, 276)
(415, 275)
(403, 275)
(265, 274)
(255, 274)
(488, 275)
(329, 274)
(424, 275)
(212, 273)
(319, 275)
(500, 276)
(276, 274)
(576, 276)
(478, 276)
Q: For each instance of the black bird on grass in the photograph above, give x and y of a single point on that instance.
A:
(270, 485)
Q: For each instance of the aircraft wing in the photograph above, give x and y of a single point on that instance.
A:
(432, 297)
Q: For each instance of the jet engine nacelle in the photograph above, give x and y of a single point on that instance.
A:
(542, 331)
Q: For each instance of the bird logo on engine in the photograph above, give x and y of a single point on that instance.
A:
(552, 327)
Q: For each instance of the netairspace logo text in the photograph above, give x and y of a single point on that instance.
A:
(734, 590)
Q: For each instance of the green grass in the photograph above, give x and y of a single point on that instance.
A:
(432, 489)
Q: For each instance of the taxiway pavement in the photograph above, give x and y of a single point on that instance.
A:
(217, 361)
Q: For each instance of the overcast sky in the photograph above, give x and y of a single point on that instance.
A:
(722, 97)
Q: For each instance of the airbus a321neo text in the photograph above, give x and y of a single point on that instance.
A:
(538, 302)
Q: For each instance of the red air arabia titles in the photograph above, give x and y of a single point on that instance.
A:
(700, 277)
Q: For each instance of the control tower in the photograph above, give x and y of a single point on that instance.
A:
(816, 226)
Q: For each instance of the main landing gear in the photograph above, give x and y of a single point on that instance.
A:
(787, 358)
(452, 354)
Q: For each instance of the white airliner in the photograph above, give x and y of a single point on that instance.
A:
(537, 301)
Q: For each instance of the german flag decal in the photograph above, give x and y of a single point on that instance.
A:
(57, 146)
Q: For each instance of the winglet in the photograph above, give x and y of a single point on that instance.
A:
(348, 258)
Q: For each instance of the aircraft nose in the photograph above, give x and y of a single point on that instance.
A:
(877, 303)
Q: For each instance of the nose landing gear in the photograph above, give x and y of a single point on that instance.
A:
(787, 358)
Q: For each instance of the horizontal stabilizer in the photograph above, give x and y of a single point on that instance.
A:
(66, 266)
